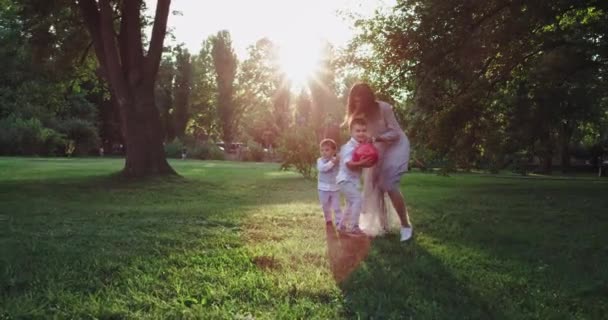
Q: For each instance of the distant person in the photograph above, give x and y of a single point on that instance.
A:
(184, 153)
(101, 151)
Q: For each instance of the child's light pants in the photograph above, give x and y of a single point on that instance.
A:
(351, 192)
(330, 200)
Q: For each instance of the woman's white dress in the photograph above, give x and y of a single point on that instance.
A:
(378, 215)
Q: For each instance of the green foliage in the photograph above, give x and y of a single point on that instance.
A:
(260, 92)
(83, 134)
(44, 91)
(206, 151)
(253, 152)
(225, 63)
(482, 80)
(28, 137)
(203, 98)
(163, 97)
(299, 150)
(182, 88)
(519, 163)
(174, 149)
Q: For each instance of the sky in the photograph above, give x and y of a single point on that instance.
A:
(294, 24)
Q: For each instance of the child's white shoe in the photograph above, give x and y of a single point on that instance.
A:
(406, 233)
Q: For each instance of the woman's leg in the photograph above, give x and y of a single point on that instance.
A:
(399, 205)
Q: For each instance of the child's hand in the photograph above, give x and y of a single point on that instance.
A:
(336, 159)
(367, 162)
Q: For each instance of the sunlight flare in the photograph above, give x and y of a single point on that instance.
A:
(299, 60)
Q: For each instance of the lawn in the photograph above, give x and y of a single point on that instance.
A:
(242, 240)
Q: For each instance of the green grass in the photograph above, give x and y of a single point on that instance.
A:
(241, 240)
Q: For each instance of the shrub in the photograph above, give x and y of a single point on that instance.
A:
(215, 153)
(520, 163)
(199, 152)
(82, 133)
(253, 152)
(28, 137)
(299, 150)
(174, 148)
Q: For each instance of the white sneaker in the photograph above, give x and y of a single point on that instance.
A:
(406, 233)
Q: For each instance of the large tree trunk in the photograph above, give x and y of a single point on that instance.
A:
(131, 76)
(145, 154)
(546, 164)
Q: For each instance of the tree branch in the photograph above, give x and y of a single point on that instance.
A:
(159, 30)
(85, 53)
(112, 59)
(90, 14)
(130, 39)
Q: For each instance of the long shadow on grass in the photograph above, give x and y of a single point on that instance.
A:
(381, 279)
(70, 247)
(544, 240)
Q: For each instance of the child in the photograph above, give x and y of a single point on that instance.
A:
(329, 194)
(349, 176)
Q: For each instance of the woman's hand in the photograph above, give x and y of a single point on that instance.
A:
(363, 163)
(375, 139)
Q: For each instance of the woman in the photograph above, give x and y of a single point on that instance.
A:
(394, 152)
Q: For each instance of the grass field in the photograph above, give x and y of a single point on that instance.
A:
(242, 240)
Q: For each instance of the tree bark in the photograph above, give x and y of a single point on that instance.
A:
(546, 165)
(131, 77)
(145, 152)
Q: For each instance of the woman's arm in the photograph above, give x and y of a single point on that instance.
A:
(356, 165)
(393, 130)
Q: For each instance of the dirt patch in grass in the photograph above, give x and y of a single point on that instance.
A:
(266, 263)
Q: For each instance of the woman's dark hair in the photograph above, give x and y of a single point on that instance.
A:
(369, 105)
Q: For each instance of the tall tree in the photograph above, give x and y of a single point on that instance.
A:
(303, 107)
(131, 75)
(204, 94)
(454, 63)
(323, 92)
(164, 97)
(225, 63)
(46, 82)
(182, 90)
(265, 92)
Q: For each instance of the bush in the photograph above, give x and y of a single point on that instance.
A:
(299, 150)
(215, 153)
(28, 137)
(199, 152)
(53, 142)
(82, 133)
(174, 148)
(253, 152)
(207, 151)
(520, 163)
